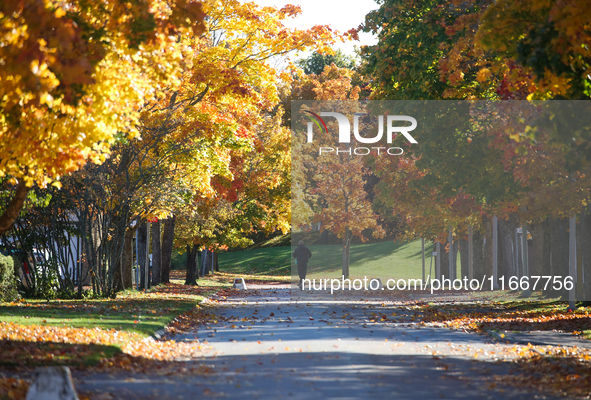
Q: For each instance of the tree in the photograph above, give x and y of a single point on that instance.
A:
(239, 107)
(347, 211)
(325, 189)
(456, 177)
(550, 41)
(316, 63)
(404, 62)
(71, 79)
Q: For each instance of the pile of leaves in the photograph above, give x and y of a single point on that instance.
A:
(31, 345)
(510, 317)
(229, 293)
(227, 277)
(175, 290)
(13, 388)
(190, 320)
(77, 334)
(562, 371)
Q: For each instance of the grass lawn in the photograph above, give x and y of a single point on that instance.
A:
(68, 332)
(262, 261)
(552, 307)
(132, 311)
(382, 260)
(536, 313)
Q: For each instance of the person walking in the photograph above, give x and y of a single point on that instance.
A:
(302, 254)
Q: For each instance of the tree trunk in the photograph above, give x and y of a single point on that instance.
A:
(203, 267)
(464, 261)
(156, 254)
(211, 265)
(167, 242)
(541, 252)
(559, 253)
(123, 267)
(207, 258)
(488, 247)
(585, 251)
(346, 253)
(506, 246)
(444, 261)
(127, 259)
(14, 208)
(478, 254)
(454, 258)
(117, 284)
(141, 240)
(191, 278)
(518, 243)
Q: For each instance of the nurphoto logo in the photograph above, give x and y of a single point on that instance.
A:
(345, 133)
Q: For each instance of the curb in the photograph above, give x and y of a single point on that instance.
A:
(512, 338)
(496, 336)
(159, 334)
(515, 340)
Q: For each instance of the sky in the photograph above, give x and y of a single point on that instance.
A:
(340, 15)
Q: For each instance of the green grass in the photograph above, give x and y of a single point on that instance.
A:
(382, 260)
(179, 256)
(131, 312)
(104, 315)
(262, 261)
(133, 315)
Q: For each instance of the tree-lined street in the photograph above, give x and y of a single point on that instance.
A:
(161, 160)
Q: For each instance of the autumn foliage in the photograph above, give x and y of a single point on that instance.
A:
(74, 75)
(533, 171)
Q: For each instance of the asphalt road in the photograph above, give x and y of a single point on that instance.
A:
(271, 346)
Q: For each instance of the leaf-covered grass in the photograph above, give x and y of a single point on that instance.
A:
(250, 278)
(210, 282)
(131, 311)
(541, 315)
(31, 354)
(224, 280)
(84, 332)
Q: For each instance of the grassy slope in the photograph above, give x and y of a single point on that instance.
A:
(265, 261)
(384, 260)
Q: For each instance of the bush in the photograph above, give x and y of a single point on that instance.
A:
(7, 282)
